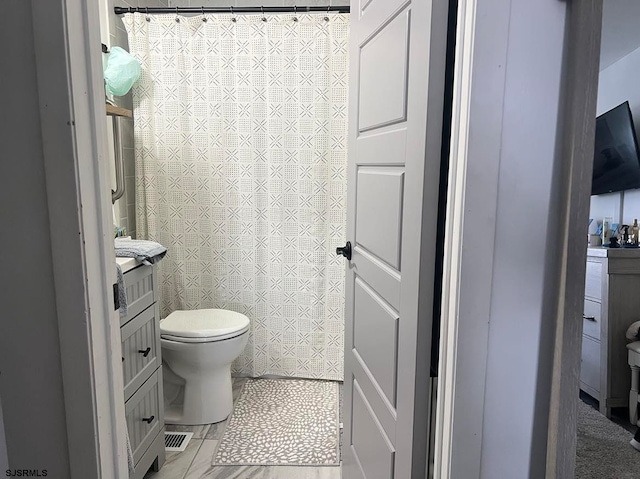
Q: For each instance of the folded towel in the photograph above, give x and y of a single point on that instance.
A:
(130, 463)
(122, 292)
(122, 299)
(147, 252)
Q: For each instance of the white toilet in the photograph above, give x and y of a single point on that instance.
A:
(198, 348)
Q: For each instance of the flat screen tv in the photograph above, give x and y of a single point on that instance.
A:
(616, 165)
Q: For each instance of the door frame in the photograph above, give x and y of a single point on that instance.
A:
(581, 92)
(69, 68)
(482, 43)
(73, 121)
(463, 358)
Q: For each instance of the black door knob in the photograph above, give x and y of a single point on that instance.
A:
(345, 250)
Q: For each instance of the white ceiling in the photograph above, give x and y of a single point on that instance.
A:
(620, 30)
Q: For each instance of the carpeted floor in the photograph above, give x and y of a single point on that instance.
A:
(603, 448)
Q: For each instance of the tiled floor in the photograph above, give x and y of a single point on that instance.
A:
(195, 461)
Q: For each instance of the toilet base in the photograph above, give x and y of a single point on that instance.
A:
(205, 402)
(197, 379)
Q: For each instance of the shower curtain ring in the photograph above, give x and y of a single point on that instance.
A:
(326, 19)
(177, 18)
(233, 19)
(264, 19)
(147, 18)
(295, 12)
(204, 19)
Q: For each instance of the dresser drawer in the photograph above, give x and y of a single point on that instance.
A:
(593, 280)
(141, 291)
(592, 319)
(590, 364)
(140, 349)
(145, 415)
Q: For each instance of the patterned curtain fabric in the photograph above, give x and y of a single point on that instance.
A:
(240, 134)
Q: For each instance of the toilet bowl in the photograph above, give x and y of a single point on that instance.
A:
(198, 348)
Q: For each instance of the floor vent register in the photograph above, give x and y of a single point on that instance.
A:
(176, 441)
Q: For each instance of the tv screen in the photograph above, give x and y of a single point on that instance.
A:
(616, 165)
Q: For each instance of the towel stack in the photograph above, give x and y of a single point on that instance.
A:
(147, 252)
(122, 292)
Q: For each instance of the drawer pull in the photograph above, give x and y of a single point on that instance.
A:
(589, 318)
(148, 420)
(144, 352)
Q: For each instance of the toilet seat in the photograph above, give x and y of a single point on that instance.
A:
(203, 325)
(211, 339)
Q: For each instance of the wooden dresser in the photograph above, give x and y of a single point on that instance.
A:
(611, 304)
(142, 369)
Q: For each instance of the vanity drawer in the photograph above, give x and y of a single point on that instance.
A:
(591, 319)
(140, 349)
(140, 284)
(145, 415)
(593, 280)
(590, 364)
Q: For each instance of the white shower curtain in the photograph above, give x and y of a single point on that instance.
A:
(240, 135)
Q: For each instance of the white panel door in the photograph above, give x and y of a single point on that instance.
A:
(398, 50)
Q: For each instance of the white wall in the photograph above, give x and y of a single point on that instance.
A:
(30, 362)
(618, 83)
(508, 270)
(620, 32)
(523, 294)
(518, 174)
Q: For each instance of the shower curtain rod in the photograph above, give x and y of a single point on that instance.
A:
(196, 10)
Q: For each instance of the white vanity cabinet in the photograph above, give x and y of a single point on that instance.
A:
(611, 304)
(142, 370)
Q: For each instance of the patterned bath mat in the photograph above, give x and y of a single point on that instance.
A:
(283, 422)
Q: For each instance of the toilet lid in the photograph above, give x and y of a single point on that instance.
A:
(203, 323)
